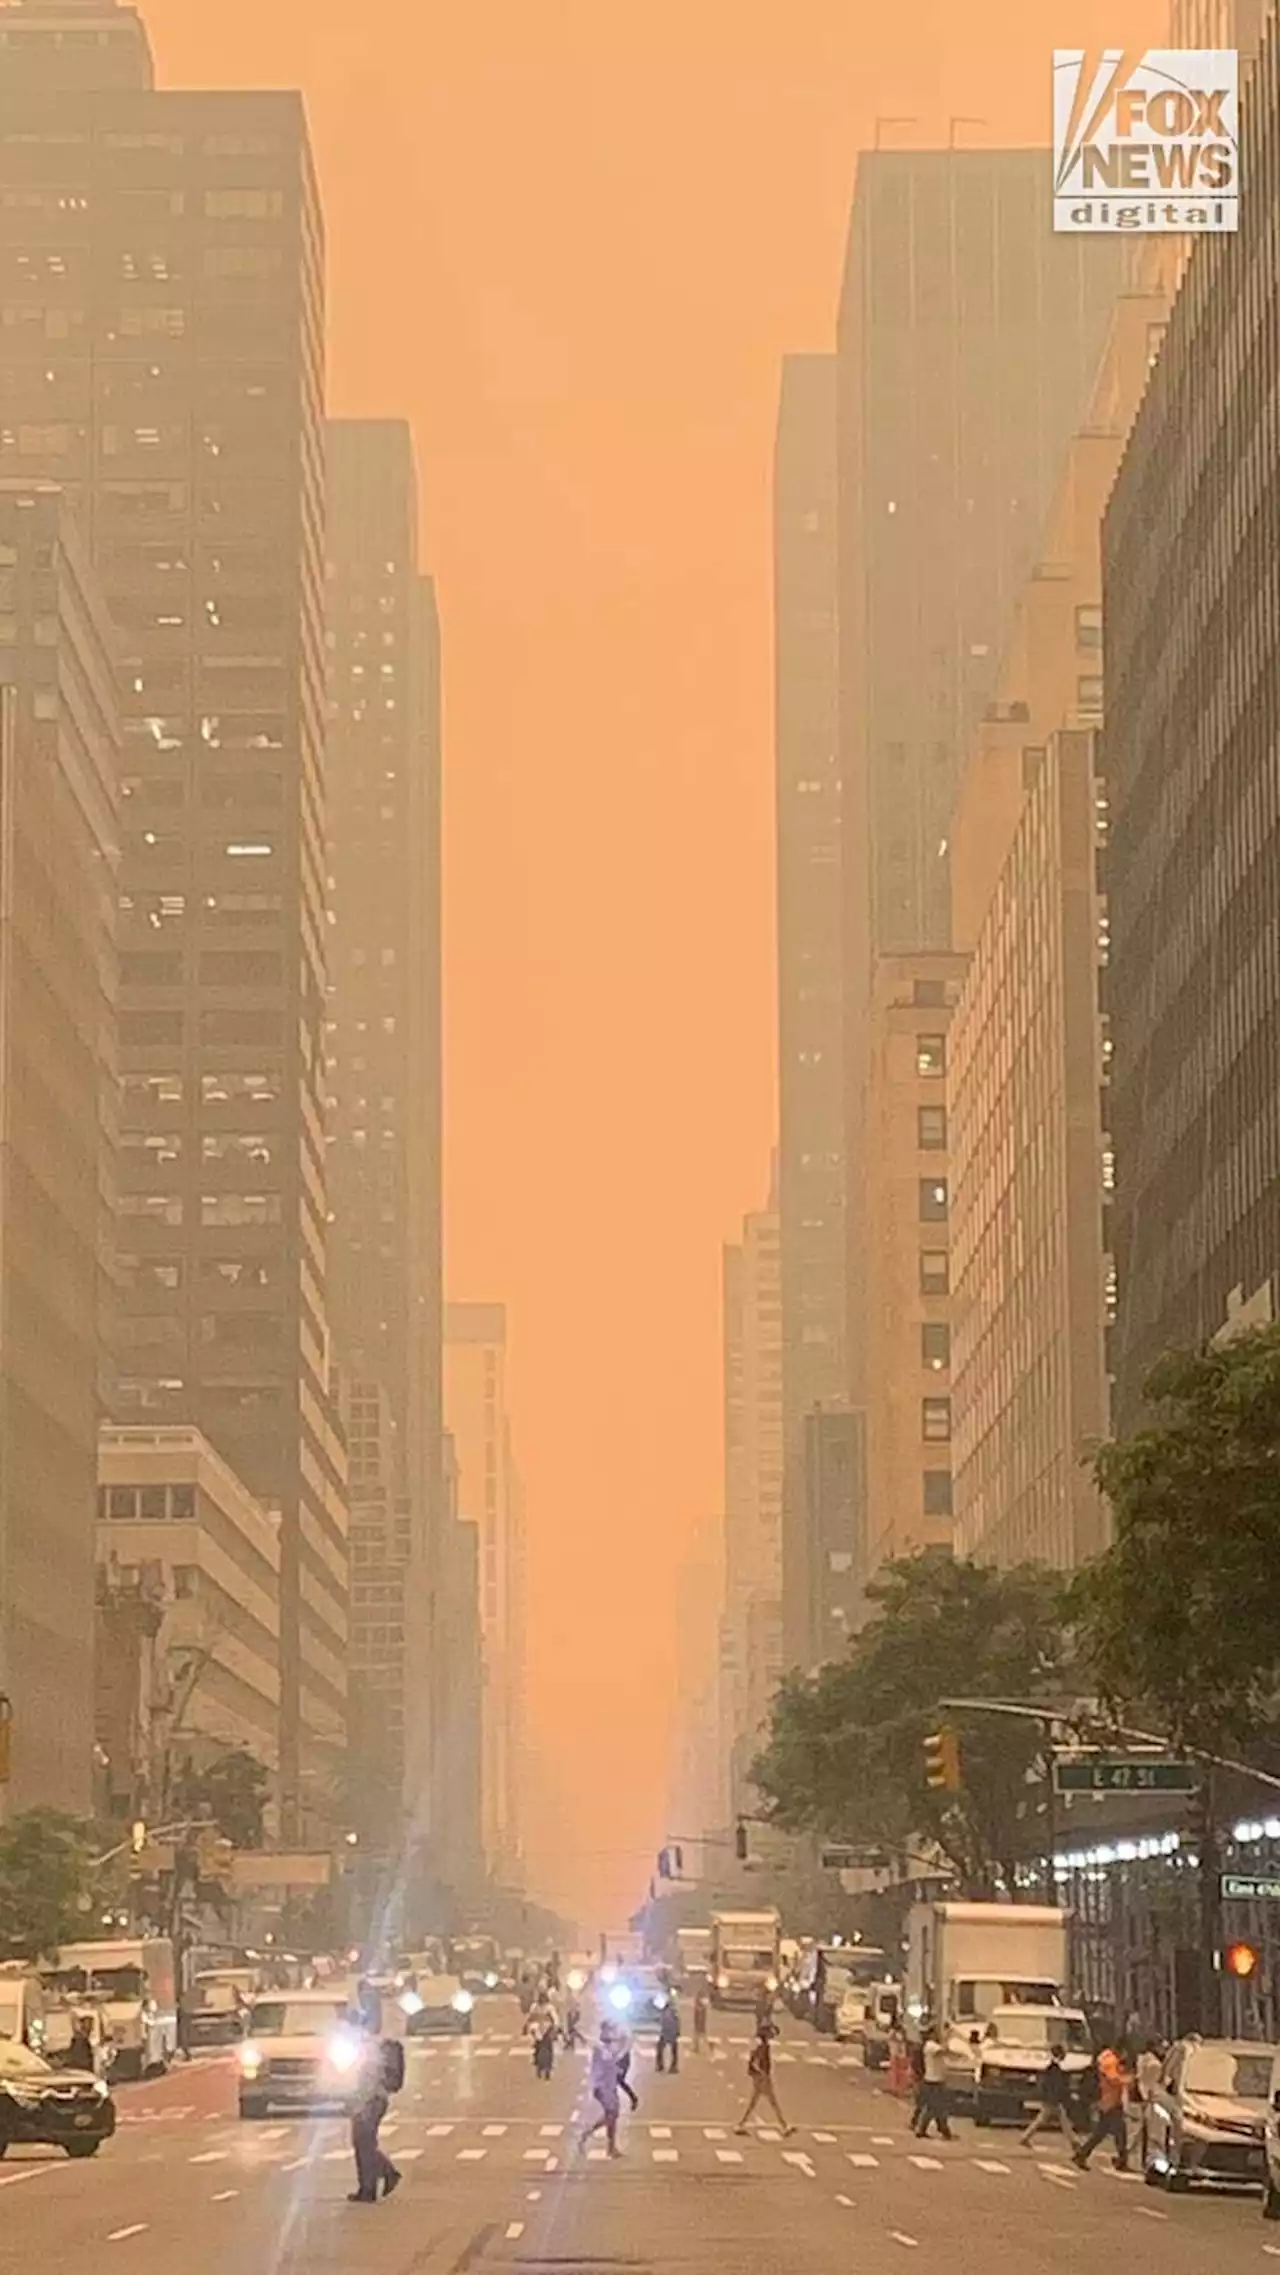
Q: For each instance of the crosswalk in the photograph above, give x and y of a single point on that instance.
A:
(497, 2044)
(534, 2148)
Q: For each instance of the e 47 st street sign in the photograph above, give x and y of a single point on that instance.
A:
(1257, 1886)
(1122, 1773)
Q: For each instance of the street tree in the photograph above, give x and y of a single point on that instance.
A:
(46, 1864)
(1178, 1622)
(231, 1791)
(845, 1757)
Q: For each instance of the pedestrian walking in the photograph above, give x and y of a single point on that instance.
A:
(603, 2083)
(1054, 2112)
(541, 2028)
(934, 2099)
(622, 2055)
(1111, 2123)
(369, 2105)
(899, 2078)
(668, 2053)
(701, 2019)
(760, 2072)
(572, 2023)
(1148, 2068)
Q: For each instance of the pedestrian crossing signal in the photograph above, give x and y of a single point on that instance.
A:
(942, 1761)
(1242, 1959)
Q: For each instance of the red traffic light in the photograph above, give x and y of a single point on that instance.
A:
(1241, 1959)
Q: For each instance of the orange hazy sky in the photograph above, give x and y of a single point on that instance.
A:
(570, 240)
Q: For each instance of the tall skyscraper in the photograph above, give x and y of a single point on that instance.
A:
(1191, 602)
(161, 282)
(810, 951)
(59, 761)
(969, 335)
(751, 1647)
(489, 1497)
(382, 1054)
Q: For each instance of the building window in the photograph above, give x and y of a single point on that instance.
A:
(935, 1344)
(1089, 625)
(937, 1493)
(935, 1421)
(931, 1128)
(931, 1054)
(182, 1502)
(933, 1200)
(935, 1272)
(185, 1580)
(1089, 693)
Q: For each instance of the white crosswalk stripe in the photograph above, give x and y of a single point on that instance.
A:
(666, 2156)
(729, 2156)
(863, 2161)
(989, 2164)
(925, 2164)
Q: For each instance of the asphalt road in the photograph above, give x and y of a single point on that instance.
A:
(493, 2185)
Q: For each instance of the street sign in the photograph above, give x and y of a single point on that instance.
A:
(1123, 1773)
(1260, 1887)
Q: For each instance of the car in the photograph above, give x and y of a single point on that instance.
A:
(1207, 2118)
(431, 2003)
(1013, 2055)
(864, 2017)
(300, 2051)
(71, 2110)
(637, 1997)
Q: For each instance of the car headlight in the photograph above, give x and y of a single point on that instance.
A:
(620, 1997)
(771, 1982)
(491, 1982)
(722, 1982)
(410, 2003)
(343, 2053)
(250, 2059)
(577, 1980)
(660, 1999)
(462, 2002)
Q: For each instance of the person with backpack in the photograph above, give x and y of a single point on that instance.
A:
(380, 2073)
(760, 2072)
(1054, 2112)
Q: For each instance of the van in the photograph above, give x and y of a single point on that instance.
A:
(29, 2016)
(132, 1980)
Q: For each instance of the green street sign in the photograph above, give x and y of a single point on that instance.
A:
(1123, 1773)
(1256, 1886)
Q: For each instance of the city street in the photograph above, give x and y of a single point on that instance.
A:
(492, 2182)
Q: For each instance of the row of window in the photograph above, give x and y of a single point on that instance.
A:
(215, 1208)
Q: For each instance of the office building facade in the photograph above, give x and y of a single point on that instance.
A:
(162, 301)
(969, 335)
(908, 1202)
(751, 1643)
(382, 1048)
(59, 849)
(810, 951)
(1192, 987)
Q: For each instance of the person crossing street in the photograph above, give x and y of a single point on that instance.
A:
(760, 2072)
(1054, 2112)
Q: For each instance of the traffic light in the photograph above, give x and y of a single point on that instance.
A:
(740, 1849)
(1241, 1960)
(942, 1761)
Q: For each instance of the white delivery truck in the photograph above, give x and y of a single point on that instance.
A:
(693, 1947)
(744, 1957)
(131, 1980)
(965, 1960)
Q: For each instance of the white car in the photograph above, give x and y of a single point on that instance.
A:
(852, 2012)
(436, 2002)
(1013, 2055)
(301, 2050)
(1208, 2114)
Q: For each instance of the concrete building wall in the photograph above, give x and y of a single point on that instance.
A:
(753, 1459)
(477, 1417)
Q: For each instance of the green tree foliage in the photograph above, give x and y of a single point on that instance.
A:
(231, 1791)
(45, 1882)
(845, 1757)
(1180, 1618)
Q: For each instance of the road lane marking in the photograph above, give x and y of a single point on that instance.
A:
(659, 2132)
(912, 2242)
(472, 2156)
(828, 2140)
(33, 2172)
(336, 2156)
(864, 2162)
(409, 2156)
(122, 2235)
(273, 2133)
(1055, 2173)
(1149, 2212)
(988, 2164)
(210, 2156)
(847, 2201)
(515, 2230)
(926, 2164)
(550, 2132)
(785, 2057)
(494, 2132)
(883, 2141)
(768, 2134)
(714, 2133)
(225, 2195)
(799, 2159)
(729, 2156)
(494, 2050)
(295, 2165)
(596, 2156)
(439, 2132)
(534, 2196)
(665, 2156)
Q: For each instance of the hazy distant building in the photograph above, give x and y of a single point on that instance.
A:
(478, 1420)
(382, 1031)
(751, 1650)
(1191, 595)
(969, 336)
(178, 1532)
(908, 1205)
(1030, 1165)
(810, 951)
(460, 1855)
(59, 760)
(162, 303)
(381, 1608)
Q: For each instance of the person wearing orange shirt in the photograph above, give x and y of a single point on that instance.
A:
(1111, 2123)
